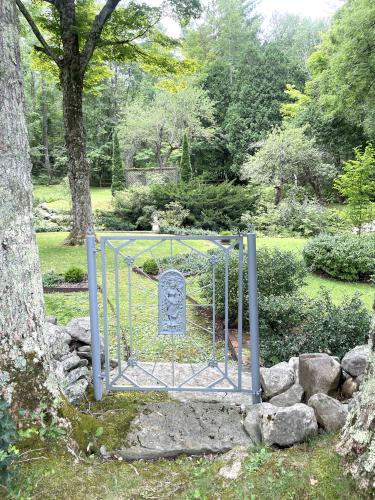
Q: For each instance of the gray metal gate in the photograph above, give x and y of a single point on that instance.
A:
(162, 331)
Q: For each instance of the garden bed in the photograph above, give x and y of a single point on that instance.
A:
(67, 288)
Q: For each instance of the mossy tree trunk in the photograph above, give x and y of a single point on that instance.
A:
(24, 363)
(358, 437)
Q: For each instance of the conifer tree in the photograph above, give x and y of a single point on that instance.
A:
(185, 165)
(118, 178)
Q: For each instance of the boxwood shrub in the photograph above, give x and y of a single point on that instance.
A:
(343, 256)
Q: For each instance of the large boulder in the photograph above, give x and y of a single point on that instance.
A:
(319, 372)
(329, 412)
(276, 379)
(286, 426)
(355, 361)
(290, 397)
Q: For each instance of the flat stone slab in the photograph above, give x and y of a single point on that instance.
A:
(188, 376)
(169, 429)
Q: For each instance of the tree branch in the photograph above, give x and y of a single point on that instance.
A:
(47, 49)
(96, 32)
(140, 34)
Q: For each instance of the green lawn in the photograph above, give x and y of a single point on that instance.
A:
(58, 197)
(54, 255)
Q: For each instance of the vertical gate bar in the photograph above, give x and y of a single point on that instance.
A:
(226, 329)
(253, 316)
(105, 312)
(117, 292)
(240, 311)
(130, 310)
(213, 312)
(94, 316)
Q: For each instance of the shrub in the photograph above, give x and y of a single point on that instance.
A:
(187, 263)
(289, 321)
(333, 328)
(292, 216)
(150, 266)
(210, 207)
(74, 275)
(342, 256)
(174, 215)
(280, 273)
(51, 278)
(8, 436)
(112, 221)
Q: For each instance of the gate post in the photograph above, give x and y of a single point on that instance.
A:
(94, 316)
(253, 315)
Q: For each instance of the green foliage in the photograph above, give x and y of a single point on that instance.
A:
(160, 121)
(289, 320)
(74, 275)
(257, 96)
(174, 215)
(342, 256)
(51, 278)
(292, 216)
(343, 65)
(280, 273)
(289, 157)
(333, 328)
(185, 165)
(206, 202)
(150, 266)
(8, 437)
(357, 185)
(118, 178)
(202, 204)
(189, 264)
(291, 325)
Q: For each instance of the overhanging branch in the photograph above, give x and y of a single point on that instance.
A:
(47, 49)
(96, 32)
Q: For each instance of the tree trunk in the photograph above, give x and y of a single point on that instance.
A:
(358, 437)
(47, 163)
(71, 78)
(24, 360)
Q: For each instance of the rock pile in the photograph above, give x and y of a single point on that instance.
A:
(310, 391)
(48, 219)
(71, 351)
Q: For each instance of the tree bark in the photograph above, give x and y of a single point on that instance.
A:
(47, 163)
(358, 437)
(71, 79)
(25, 370)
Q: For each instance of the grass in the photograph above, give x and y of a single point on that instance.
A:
(54, 255)
(308, 471)
(58, 197)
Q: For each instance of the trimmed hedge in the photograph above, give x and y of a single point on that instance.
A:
(342, 256)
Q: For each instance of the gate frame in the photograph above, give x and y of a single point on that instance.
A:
(98, 376)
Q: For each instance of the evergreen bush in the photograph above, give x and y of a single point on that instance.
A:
(74, 275)
(150, 266)
(344, 256)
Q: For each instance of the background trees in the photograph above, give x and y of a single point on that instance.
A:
(77, 38)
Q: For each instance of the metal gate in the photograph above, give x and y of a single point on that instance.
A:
(166, 314)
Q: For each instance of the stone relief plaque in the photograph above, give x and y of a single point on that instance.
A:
(172, 303)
